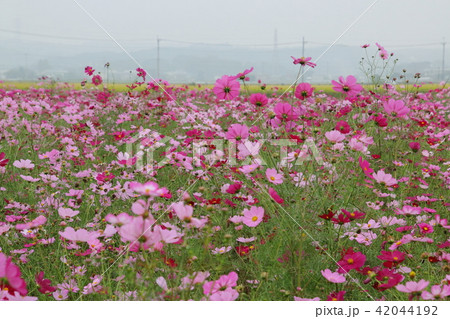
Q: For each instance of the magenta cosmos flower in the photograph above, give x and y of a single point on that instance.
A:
(97, 80)
(304, 61)
(10, 279)
(395, 108)
(243, 75)
(89, 70)
(253, 216)
(365, 166)
(226, 88)
(237, 132)
(277, 198)
(258, 99)
(351, 260)
(285, 112)
(415, 146)
(348, 86)
(3, 160)
(425, 228)
(303, 91)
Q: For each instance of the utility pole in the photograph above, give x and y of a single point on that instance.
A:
(275, 54)
(443, 60)
(158, 40)
(303, 46)
(303, 55)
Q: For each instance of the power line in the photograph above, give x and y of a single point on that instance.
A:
(42, 35)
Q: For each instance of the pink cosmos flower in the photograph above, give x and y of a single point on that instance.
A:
(38, 221)
(167, 235)
(348, 86)
(221, 284)
(97, 80)
(335, 136)
(221, 250)
(67, 212)
(16, 297)
(412, 286)
(228, 294)
(383, 53)
(303, 91)
(10, 280)
(138, 232)
(80, 235)
(23, 163)
(273, 176)
(259, 99)
(396, 108)
(140, 207)
(119, 220)
(303, 61)
(184, 212)
(334, 277)
(306, 299)
(408, 210)
(61, 294)
(253, 216)
(404, 240)
(285, 112)
(226, 88)
(384, 179)
(248, 148)
(147, 189)
(357, 146)
(237, 132)
(247, 169)
(437, 292)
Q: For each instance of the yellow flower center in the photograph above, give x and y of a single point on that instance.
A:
(272, 178)
(350, 261)
(254, 218)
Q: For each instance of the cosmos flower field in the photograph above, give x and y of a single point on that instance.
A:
(166, 192)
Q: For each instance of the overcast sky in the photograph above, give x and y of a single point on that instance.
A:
(131, 22)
